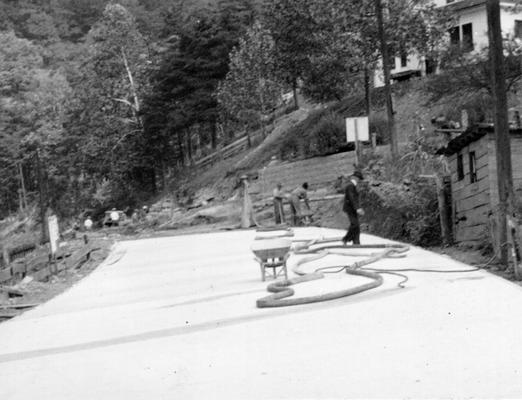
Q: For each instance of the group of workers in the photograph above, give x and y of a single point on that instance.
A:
(351, 206)
(294, 199)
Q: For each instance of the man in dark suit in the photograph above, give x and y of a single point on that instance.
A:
(352, 209)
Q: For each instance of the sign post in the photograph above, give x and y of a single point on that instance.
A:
(54, 234)
(357, 129)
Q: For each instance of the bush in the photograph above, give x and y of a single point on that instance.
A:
(403, 212)
(327, 135)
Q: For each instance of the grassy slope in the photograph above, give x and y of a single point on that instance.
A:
(220, 180)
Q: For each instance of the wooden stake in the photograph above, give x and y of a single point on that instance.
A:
(357, 146)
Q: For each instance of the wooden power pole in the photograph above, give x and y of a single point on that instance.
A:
(387, 89)
(502, 141)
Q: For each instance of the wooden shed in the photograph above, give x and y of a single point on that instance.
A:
(474, 186)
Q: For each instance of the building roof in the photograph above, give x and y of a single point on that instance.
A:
(470, 135)
(464, 4)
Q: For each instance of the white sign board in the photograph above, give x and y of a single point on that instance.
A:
(54, 233)
(357, 129)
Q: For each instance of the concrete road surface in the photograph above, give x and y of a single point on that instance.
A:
(175, 318)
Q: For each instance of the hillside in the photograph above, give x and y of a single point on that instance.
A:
(210, 198)
(293, 136)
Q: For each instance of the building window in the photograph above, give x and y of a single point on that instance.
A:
(518, 29)
(454, 36)
(472, 167)
(404, 59)
(467, 37)
(392, 62)
(460, 167)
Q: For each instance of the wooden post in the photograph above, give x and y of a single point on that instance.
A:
(516, 249)
(387, 89)
(5, 256)
(444, 212)
(502, 141)
(247, 219)
(357, 146)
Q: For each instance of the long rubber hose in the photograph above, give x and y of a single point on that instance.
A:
(282, 289)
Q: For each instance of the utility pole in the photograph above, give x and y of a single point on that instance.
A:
(367, 91)
(502, 141)
(387, 89)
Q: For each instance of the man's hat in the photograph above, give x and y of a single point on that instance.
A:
(358, 174)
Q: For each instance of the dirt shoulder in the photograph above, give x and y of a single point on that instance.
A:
(35, 288)
(476, 258)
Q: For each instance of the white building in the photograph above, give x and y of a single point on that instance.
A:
(470, 32)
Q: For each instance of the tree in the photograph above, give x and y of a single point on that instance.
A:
(360, 31)
(469, 73)
(32, 102)
(105, 124)
(291, 24)
(75, 18)
(250, 87)
(188, 76)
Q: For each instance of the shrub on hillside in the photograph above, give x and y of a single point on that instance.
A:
(327, 135)
(324, 131)
(408, 213)
(403, 212)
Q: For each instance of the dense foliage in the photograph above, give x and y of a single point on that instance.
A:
(101, 101)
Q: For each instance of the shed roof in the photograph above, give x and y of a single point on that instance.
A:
(470, 135)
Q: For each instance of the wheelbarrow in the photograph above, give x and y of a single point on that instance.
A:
(272, 253)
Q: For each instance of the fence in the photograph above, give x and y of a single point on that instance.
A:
(39, 267)
(230, 150)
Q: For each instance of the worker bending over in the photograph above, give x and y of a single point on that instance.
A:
(295, 203)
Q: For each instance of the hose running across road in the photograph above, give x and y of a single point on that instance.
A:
(282, 290)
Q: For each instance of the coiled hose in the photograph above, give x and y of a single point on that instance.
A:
(282, 289)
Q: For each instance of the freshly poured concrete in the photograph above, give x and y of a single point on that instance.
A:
(175, 318)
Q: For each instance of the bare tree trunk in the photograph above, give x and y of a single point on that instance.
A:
(23, 193)
(181, 161)
(43, 206)
(189, 146)
(136, 105)
(213, 135)
(294, 91)
(249, 139)
(367, 91)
